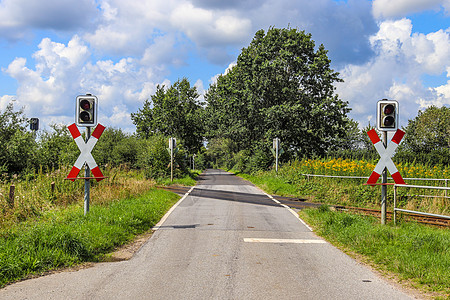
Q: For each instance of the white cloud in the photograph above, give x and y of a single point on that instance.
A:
(120, 50)
(162, 53)
(64, 71)
(19, 17)
(402, 58)
(5, 100)
(401, 8)
(207, 28)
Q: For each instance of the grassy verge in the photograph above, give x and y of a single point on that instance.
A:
(187, 180)
(62, 238)
(272, 184)
(344, 191)
(416, 253)
(34, 196)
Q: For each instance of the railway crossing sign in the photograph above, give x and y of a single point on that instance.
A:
(85, 155)
(385, 157)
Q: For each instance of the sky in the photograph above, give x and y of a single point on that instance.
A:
(51, 51)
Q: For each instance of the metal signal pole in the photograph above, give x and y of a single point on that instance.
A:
(384, 187)
(171, 163)
(87, 174)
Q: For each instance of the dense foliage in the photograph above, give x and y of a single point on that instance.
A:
(16, 143)
(427, 137)
(176, 112)
(280, 87)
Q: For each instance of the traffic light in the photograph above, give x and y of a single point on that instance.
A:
(387, 112)
(86, 111)
(34, 124)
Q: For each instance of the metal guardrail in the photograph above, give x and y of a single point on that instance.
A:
(412, 211)
(446, 188)
(334, 176)
(363, 177)
(367, 177)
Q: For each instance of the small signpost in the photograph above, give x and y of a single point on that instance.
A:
(276, 151)
(86, 116)
(276, 146)
(387, 120)
(172, 147)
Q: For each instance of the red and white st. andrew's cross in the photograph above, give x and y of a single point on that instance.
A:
(385, 157)
(85, 155)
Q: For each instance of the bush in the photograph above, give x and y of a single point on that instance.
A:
(153, 157)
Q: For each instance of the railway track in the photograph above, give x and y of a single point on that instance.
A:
(302, 203)
(405, 216)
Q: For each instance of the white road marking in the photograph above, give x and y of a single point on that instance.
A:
(283, 241)
(288, 208)
(157, 226)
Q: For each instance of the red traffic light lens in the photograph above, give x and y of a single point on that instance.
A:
(85, 104)
(389, 109)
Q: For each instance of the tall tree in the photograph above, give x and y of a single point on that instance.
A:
(429, 131)
(175, 111)
(280, 87)
(17, 144)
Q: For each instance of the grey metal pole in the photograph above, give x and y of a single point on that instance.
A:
(87, 173)
(171, 159)
(395, 204)
(384, 187)
(446, 185)
(276, 154)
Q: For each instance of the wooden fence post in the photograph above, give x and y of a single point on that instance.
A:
(12, 188)
(53, 189)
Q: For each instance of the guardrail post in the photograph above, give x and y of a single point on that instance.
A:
(52, 188)
(12, 189)
(446, 185)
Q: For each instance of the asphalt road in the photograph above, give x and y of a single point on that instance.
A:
(225, 240)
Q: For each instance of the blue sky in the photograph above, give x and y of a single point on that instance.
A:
(54, 50)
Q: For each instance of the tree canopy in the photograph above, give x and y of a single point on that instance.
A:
(16, 147)
(175, 111)
(280, 87)
(429, 130)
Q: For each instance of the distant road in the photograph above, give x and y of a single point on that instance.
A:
(225, 240)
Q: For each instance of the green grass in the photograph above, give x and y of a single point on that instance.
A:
(271, 184)
(66, 237)
(186, 180)
(414, 252)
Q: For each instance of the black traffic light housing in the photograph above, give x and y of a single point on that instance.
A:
(86, 110)
(34, 124)
(387, 115)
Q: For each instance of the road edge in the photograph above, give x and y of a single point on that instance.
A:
(164, 218)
